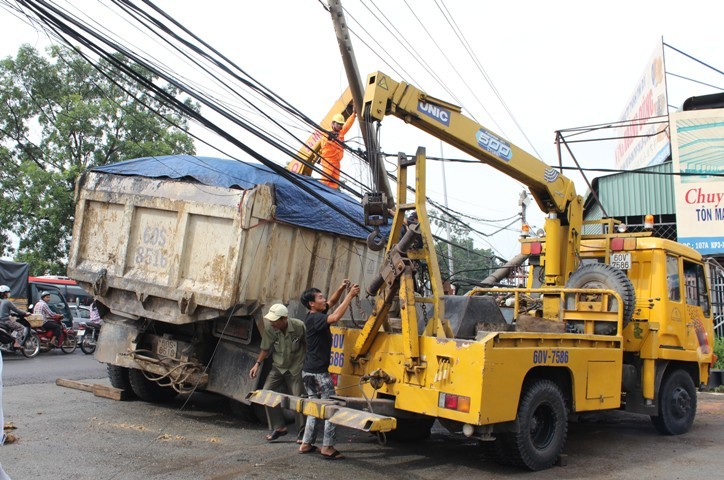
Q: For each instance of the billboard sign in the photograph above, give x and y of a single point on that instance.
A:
(697, 145)
(644, 141)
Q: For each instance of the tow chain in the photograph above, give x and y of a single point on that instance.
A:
(358, 304)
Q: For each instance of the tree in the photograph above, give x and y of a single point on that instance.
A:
(471, 265)
(60, 116)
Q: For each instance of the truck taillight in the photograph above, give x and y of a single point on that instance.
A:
(335, 378)
(532, 248)
(454, 402)
(619, 244)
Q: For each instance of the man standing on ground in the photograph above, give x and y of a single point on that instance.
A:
(287, 337)
(317, 380)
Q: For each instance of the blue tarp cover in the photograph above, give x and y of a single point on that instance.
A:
(293, 204)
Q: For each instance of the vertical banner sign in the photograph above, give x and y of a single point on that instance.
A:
(697, 144)
(644, 141)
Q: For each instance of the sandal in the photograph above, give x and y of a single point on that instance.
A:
(334, 456)
(311, 449)
(276, 434)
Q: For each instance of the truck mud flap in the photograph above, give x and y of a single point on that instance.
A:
(325, 409)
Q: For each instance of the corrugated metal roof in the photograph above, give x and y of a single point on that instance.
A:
(593, 212)
(634, 193)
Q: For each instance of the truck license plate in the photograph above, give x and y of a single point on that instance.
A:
(167, 347)
(622, 261)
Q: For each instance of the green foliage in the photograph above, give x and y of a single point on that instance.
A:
(60, 116)
(719, 352)
(470, 265)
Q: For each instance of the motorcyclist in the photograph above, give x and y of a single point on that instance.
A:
(49, 317)
(6, 306)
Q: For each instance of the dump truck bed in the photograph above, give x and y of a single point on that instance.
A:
(181, 251)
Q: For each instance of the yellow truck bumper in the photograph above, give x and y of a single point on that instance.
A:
(332, 410)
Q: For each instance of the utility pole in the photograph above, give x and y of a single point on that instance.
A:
(379, 174)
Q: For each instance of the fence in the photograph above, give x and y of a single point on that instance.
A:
(716, 280)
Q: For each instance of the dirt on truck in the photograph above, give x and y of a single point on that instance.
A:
(185, 254)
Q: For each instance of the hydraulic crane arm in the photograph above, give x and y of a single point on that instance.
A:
(554, 193)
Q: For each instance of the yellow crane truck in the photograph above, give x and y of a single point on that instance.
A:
(619, 321)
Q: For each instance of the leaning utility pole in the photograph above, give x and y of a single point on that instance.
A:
(379, 175)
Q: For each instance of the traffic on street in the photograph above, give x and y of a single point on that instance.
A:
(198, 437)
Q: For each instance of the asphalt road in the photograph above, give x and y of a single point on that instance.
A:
(48, 366)
(66, 433)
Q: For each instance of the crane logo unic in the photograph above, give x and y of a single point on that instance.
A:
(494, 145)
(435, 112)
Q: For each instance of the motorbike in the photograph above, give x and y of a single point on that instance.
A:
(88, 333)
(30, 344)
(67, 341)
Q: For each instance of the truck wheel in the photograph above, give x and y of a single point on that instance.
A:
(677, 404)
(148, 390)
(410, 430)
(543, 423)
(119, 377)
(600, 275)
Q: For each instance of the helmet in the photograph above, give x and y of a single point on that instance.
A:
(44, 294)
(4, 288)
(339, 118)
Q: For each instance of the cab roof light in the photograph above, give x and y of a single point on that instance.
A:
(649, 222)
(525, 230)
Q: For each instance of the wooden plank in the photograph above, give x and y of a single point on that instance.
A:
(96, 389)
(109, 392)
(64, 382)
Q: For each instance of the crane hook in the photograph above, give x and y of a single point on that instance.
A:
(375, 240)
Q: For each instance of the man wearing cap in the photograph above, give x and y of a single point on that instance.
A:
(287, 337)
(49, 317)
(332, 149)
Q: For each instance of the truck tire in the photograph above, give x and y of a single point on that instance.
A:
(543, 420)
(148, 390)
(119, 378)
(601, 275)
(677, 404)
(411, 430)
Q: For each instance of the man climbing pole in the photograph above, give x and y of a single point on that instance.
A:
(332, 149)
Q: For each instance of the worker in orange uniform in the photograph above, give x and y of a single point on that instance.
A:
(332, 149)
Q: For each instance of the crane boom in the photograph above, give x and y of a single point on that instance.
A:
(554, 193)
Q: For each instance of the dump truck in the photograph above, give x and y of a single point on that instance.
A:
(608, 321)
(184, 255)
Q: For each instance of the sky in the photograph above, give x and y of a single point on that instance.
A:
(556, 65)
